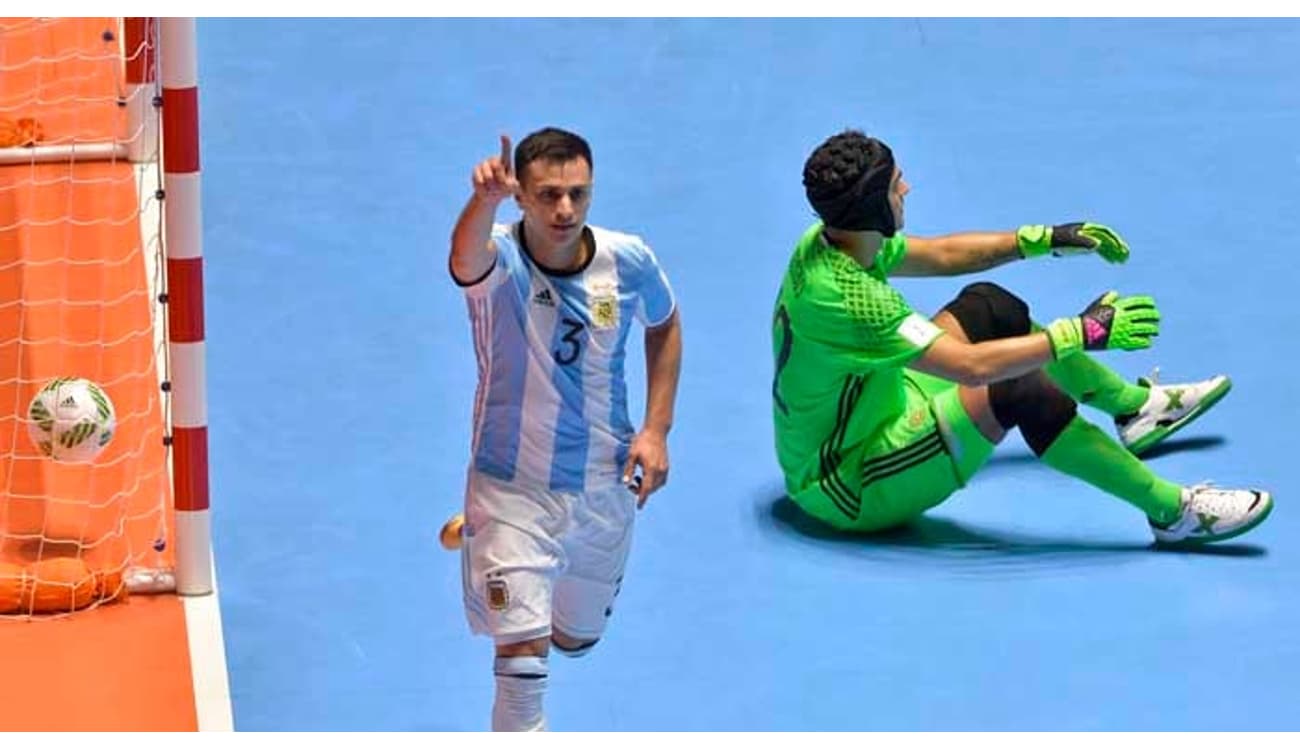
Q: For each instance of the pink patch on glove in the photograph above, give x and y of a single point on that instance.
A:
(1093, 331)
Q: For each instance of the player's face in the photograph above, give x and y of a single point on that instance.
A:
(555, 197)
(898, 190)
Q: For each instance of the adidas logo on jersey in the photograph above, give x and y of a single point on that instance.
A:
(544, 298)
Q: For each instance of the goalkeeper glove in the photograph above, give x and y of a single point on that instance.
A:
(1063, 240)
(1110, 322)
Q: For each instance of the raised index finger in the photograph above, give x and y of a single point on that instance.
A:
(505, 154)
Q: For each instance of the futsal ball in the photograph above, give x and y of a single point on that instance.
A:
(71, 419)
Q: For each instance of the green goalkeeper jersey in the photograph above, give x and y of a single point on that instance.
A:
(841, 336)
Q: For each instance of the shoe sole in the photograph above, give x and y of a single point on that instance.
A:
(1157, 435)
(1201, 541)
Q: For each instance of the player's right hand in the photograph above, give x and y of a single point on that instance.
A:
(1110, 322)
(494, 177)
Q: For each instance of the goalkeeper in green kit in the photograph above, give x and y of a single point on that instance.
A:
(882, 413)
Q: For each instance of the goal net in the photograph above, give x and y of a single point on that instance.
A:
(83, 294)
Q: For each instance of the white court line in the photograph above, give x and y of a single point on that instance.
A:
(208, 660)
(206, 642)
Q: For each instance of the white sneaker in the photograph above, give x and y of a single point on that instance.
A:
(1212, 515)
(1168, 409)
(451, 536)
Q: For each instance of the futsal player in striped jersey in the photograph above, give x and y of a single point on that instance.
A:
(557, 469)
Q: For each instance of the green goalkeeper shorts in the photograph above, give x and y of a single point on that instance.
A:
(913, 464)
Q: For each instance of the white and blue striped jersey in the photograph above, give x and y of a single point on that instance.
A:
(551, 406)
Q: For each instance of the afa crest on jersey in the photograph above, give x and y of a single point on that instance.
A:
(604, 311)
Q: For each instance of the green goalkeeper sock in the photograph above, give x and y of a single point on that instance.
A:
(1083, 451)
(1093, 384)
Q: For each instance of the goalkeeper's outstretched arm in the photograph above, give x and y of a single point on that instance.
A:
(953, 254)
(971, 252)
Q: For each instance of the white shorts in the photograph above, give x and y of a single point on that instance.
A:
(534, 560)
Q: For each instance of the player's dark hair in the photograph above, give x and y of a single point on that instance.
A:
(552, 145)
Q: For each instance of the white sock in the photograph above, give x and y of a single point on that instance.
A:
(521, 683)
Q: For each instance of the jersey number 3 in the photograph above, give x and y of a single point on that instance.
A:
(571, 347)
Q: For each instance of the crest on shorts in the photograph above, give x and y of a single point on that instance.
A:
(498, 594)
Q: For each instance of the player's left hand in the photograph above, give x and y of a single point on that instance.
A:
(1064, 240)
(649, 453)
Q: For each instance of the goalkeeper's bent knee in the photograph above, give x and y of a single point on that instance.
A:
(987, 311)
(1034, 404)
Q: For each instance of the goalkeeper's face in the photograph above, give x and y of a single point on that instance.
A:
(898, 190)
(555, 196)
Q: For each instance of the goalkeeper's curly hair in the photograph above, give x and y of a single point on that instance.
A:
(839, 162)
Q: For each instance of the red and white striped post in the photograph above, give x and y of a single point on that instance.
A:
(139, 47)
(183, 225)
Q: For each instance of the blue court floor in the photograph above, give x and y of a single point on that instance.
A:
(336, 158)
